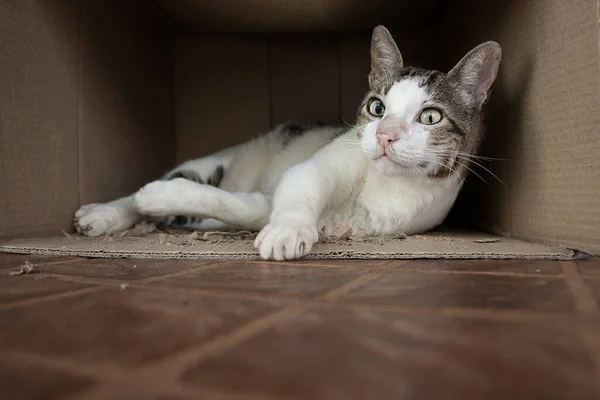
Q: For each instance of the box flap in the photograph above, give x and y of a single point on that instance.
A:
(543, 119)
(278, 16)
(161, 246)
(39, 75)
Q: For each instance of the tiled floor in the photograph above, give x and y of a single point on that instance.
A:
(424, 330)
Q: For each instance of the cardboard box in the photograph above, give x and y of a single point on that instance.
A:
(100, 97)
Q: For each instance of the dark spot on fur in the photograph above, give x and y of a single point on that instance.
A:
(180, 220)
(294, 129)
(455, 128)
(185, 174)
(443, 170)
(217, 176)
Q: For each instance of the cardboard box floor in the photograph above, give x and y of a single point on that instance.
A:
(99, 97)
(182, 246)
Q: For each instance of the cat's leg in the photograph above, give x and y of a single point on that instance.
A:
(191, 223)
(120, 214)
(209, 174)
(182, 196)
(101, 219)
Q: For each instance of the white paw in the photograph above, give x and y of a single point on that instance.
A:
(84, 209)
(281, 242)
(101, 219)
(161, 198)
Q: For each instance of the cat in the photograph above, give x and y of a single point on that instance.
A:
(399, 169)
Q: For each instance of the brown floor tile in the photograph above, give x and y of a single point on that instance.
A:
(415, 289)
(368, 264)
(366, 354)
(589, 267)
(595, 285)
(120, 269)
(124, 326)
(542, 267)
(325, 353)
(269, 278)
(35, 383)
(15, 288)
(12, 261)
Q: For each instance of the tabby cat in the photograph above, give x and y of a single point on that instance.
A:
(399, 169)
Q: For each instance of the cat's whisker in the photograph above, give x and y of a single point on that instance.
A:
(347, 124)
(444, 165)
(470, 169)
(445, 152)
(449, 168)
(465, 157)
(487, 170)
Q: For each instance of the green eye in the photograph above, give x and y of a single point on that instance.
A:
(376, 108)
(430, 116)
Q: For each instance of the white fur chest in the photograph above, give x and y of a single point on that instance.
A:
(388, 205)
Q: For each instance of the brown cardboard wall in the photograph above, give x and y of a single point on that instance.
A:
(86, 107)
(94, 95)
(126, 98)
(230, 88)
(544, 119)
(222, 92)
(39, 73)
(305, 78)
(292, 16)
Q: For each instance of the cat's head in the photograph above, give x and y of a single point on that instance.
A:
(423, 122)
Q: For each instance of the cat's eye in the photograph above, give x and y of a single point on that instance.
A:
(430, 116)
(376, 108)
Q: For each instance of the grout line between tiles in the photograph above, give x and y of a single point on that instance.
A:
(590, 340)
(585, 302)
(104, 374)
(394, 266)
(397, 263)
(50, 297)
(487, 273)
(328, 299)
(43, 263)
(172, 367)
(96, 370)
(461, 312)
(176, 391)
(184, 272)
(236, 294)
(153, 283)
(175, 365)
(239, 294)
(334, 295)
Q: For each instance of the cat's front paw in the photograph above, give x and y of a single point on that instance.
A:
(101, 219)
(281, 242)
(160, 198)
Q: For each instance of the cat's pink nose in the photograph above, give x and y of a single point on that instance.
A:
(386, 138)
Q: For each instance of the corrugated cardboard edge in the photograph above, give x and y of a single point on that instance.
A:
(432, 246)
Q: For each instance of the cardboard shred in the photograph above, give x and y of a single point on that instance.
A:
(25, 270)
(172, 246)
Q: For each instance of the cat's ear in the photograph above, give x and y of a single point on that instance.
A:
(475, 74)
(385, 56)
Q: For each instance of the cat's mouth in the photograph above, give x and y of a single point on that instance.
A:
(390, 156)
(400, 163)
